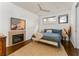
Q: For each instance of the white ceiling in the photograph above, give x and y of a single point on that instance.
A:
(54, 7)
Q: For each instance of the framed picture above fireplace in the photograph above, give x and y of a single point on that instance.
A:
(17, 24)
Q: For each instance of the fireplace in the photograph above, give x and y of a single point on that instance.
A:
(17, 38)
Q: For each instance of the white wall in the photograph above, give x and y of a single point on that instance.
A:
(73, 24)
(56, 25)
(8, 10)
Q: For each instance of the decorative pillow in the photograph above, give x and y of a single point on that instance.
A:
(49, 31)
(57, 31)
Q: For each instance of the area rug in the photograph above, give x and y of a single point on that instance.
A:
(39, 49)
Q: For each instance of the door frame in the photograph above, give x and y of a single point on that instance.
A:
(76, 5)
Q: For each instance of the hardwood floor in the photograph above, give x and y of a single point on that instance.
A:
(67, 45)
(71, 51)
(16, 47)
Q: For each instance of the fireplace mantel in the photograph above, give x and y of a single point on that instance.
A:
(15, 32)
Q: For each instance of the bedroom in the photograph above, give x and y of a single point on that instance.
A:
(36, 18)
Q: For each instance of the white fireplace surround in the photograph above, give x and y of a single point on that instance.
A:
(16, 32)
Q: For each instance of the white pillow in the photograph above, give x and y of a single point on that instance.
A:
(49, 31)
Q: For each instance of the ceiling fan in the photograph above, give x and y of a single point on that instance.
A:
(41, 9)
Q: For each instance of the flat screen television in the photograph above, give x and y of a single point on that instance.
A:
(17, 24)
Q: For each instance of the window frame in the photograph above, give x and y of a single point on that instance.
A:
(48, 22)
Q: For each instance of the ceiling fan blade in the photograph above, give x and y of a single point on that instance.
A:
(39, 6)
(41, 9)
(45, 10)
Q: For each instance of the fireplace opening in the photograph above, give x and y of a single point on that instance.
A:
(17, 38)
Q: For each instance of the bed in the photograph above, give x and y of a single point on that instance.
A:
(49, 36)
(53, 35)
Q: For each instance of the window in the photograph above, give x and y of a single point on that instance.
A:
(44, 21)
(49, 20)
(63, 19)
